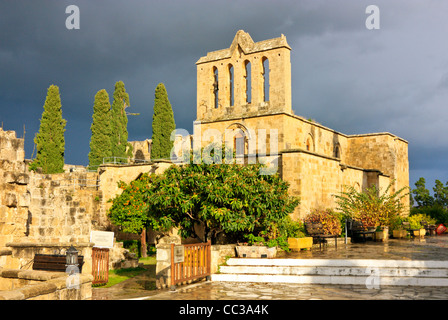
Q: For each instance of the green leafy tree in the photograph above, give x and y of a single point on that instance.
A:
(50, 141)
(162, 125)
(220, 199)
(100, 141)
(421, 194)
(440, 194)
(432, 206)
(372, 206)
(120, 147)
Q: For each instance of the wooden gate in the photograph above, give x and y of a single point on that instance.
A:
(100, 265)
(195, 264)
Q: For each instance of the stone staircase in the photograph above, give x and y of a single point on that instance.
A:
(371, 273)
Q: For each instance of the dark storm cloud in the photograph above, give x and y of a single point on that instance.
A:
(344, 76)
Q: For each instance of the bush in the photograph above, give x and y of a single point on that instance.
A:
(415, 220)
(330, 220)
(134, 246)
(287, 228)
(371, 207)
(436, 212)
(207, 202)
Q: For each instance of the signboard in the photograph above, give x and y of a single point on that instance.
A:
(102, 239)
(179, 254)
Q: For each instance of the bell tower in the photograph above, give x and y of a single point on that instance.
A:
(247, 79)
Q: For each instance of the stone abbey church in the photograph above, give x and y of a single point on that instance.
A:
(244, 89)
(248, 87)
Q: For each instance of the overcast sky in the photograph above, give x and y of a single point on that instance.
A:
(344, 76)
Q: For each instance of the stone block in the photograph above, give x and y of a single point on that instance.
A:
(10, 200)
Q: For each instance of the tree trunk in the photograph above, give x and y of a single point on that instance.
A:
(143, 244)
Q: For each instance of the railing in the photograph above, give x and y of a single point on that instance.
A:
(71, 182)
(100, 265)
(118, 161)
(195, 264)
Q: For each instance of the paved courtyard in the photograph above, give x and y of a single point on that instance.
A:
(429, 248)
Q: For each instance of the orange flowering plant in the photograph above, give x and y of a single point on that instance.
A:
(206, 201)
(329, 219)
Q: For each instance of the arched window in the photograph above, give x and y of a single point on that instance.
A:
(231, 88)
(215, 86)
(239, 144)
(265, 62)
(309, 143)
(248, 77)
(337, 151)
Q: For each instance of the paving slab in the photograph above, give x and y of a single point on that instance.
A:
(432, 248)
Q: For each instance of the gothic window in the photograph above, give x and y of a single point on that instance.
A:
(215, 86)
(240, 144)
(309, 143)
(265, 62)
(337, 151)
(231, 84)
(248, 77)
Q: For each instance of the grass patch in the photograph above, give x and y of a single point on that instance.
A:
(151, 260)
(117, 276)
(120, 275)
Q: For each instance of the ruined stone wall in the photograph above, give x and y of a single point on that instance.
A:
(384, 152)
(14, 195)
(42, 213)
(316, 179)
(311, 136)
(242, 51)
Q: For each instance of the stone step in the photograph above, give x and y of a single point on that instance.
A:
(322, 271)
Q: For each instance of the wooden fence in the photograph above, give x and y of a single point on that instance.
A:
(100, 265)
(194, 264)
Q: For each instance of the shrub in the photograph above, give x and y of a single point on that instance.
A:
(436, 212)
(415, 220)
(371, 207)
(330, 220)
(227, 200)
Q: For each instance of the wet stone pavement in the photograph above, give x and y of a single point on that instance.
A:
(429, 248)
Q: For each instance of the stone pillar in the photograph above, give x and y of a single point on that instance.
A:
(163, 266)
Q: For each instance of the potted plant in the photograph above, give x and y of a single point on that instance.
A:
(415, 223)
(329, 222)
(256, 250)
(398, 230)
(382, 233)
(297, 239)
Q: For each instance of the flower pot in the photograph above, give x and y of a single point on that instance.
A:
(381, 236)
(419, 233)
(399, 233)
(296, 244)
(256, 252)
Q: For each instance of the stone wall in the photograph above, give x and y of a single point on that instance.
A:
(243, 50)
(317, 161)
(42, 285)
(47, 214)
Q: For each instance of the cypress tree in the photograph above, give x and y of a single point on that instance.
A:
(119, 121)
(100, 142)
(50, 141)
(162, 125)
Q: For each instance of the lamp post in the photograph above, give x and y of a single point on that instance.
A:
(72, 257)
(73, 280)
